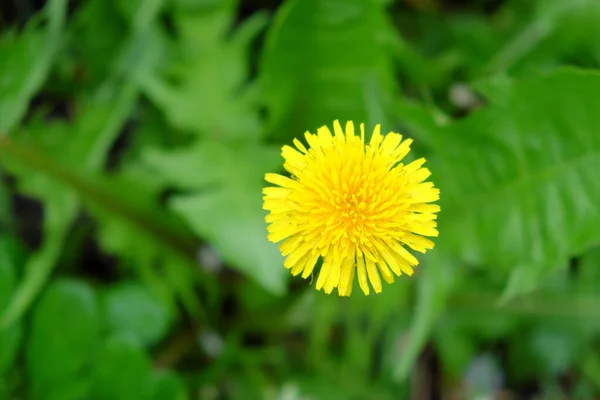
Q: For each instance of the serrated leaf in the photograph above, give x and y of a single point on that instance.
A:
(518, 178)
(82, 147)
(130, 309)
(97, 43)
(132, 226)
(318, 55)
(54, 359)
(26, 61)
(226, 208)
(128, 217)
(211, 97)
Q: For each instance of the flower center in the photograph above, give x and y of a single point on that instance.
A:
(353, 209)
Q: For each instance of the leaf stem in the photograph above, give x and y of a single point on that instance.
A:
(533, 305)
(158, 227)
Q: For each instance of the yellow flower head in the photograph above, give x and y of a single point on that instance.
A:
(354, 206)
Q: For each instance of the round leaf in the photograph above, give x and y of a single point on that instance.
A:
(64, 331)
(167, 385)
(131, 309)
(122, 370)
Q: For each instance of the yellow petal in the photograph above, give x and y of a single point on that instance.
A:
(337, 130)
(300, 146)
(362, 274)
(281, 180)
(347, 290)
(310, 265)
(373, 276)
(376, 137)
(349, 131)
(324, 272)
(347, 270)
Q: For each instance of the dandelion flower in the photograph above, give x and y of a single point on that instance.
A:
(354, 206)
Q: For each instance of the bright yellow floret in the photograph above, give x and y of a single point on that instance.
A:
(353, 206)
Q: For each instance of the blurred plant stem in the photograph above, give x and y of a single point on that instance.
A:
(591, 368)
(94, 193)
(176, 348)
(536, 305)
(531, 36)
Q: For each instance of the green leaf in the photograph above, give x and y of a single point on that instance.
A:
(8, 279)
(525, 278)
(555, 347)
(557, 32)
(133, 227)
(526, 40)
(476, 38)
(167, 385)
(211, 97)
(26, 61)
(420, 121)
(112, 48)
(103, 116)
(577, 31)
(10, 337)
(63, 335)
(521, 173)
(77, 388)
(81, 151)
(454, 347)
(588, 278)
(130, 309)
(39, 265)
(80, 147)
(95, 44)
(122, 370)
(433, 288)
(117, 204)
(226, 208)
(139, 12)
(318, 56)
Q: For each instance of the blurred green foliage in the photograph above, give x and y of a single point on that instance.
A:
(134, 136)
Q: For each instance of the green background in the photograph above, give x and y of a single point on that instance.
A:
(134, 137)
